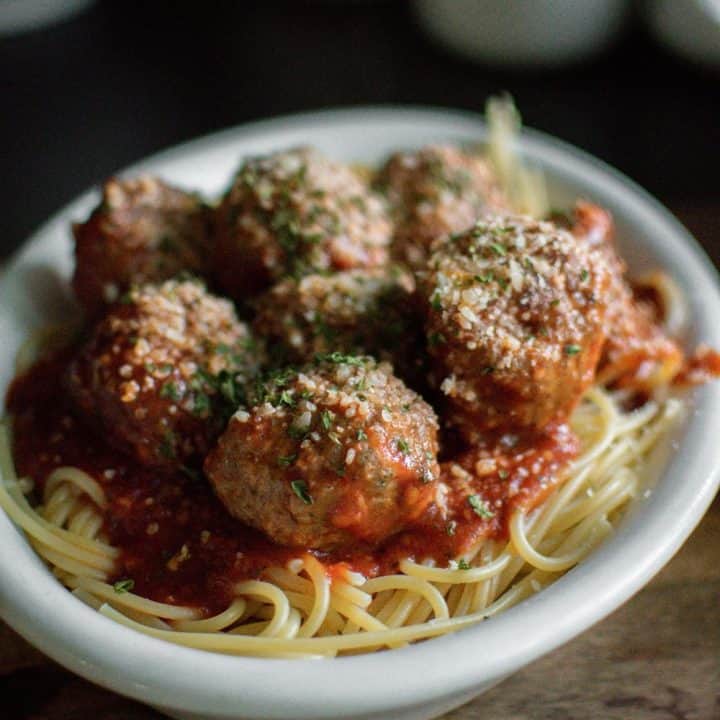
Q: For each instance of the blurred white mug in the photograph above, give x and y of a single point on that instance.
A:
(690, 27)
(17, 16)
(522, 32)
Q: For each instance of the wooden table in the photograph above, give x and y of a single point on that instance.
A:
(656, 658)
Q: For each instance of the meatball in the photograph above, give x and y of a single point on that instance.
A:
(294, 213)
(637, 353)
(436, 191)
(335, 452)
(515, 311)
(162, 372)
(371, 312)
(143, 231)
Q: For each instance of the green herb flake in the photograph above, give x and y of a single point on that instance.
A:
(326, 418)
(191, 473)
(339, 358)
(297, 433)
(286, 398)
(402, 446)
(498, 249)
(167, 446)
(463, 564)
(479, 507)
(201, 404)
(436, 338)
(361, 435)
(301, 490)
(451, 528)
(572, 349)
(124, 586)
(584, 275)
(503, 474)
(435, 301)
(170, 391)
(286, 460)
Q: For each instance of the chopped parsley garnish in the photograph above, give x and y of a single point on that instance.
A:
(480, 507)
(498, 249)
(286, 398)
(229, 388)
(463, 564)
(486, 277)
(402, 446)
(436, 339)
(123, 586)
(170, 391)
(167, 445)
(340, 359)
(192, 473)
(572, 349)
(361, 435)
(201, 404)
(301, 490)
(584, 275)
(298, 433)
(287, 460)
(435, 301)
(451, 527)
(326, 419)
(503, 474)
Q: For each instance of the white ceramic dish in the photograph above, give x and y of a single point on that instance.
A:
(430, 678)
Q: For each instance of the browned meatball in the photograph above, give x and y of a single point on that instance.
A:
(435, 191)
(333, 453)
(143, 231)
(637, 353)
(515, 311)
(159, 370)
(294, 213)
(369, 312)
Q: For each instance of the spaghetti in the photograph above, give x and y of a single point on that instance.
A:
(301, 610)
(133, 529)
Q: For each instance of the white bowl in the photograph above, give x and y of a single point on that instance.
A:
(423, 680)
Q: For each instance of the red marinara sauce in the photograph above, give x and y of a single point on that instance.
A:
(178, 543)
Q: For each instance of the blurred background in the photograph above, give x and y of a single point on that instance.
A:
(89, 87)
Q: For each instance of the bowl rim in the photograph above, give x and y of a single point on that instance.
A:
(180, 678)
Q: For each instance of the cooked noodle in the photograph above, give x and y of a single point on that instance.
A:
(300, 611)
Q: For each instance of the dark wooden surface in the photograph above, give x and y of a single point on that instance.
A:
(126, 79)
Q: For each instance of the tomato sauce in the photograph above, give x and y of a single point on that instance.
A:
(178, 543)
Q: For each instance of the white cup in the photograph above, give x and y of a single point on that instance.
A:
(689, 27)
(17, 16)
(522, 32)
